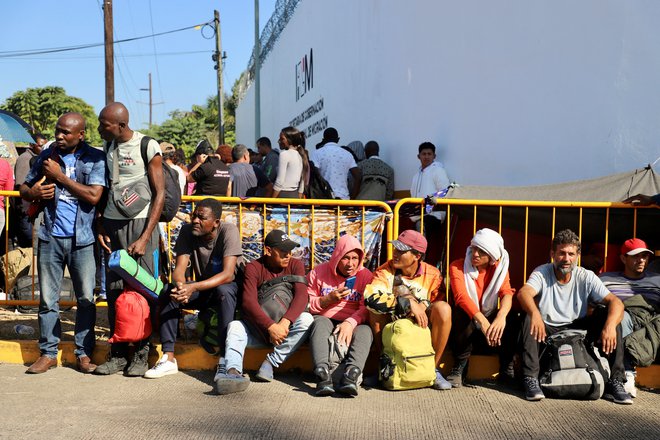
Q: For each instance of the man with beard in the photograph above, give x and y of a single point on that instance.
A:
(68, 179)
(212, 248)
(556, 297)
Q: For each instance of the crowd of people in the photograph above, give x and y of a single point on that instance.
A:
(90, 196)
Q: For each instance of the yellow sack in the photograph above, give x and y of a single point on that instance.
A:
(408, 359)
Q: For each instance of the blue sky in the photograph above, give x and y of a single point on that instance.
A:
(180, 63)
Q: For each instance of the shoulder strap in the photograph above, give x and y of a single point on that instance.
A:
(144, 144)
(284, 279)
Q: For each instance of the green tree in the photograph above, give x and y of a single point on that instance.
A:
(41, 106)
(183, 129)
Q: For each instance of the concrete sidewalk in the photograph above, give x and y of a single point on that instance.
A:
(63, 403)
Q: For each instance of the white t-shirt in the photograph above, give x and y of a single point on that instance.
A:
(182, 176)
(334, 164)
(131, 168)
(561, 304)
(428, 181)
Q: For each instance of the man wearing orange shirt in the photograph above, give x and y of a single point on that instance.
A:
(477, 282)
(422, 282)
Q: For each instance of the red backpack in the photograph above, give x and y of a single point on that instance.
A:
(132, 321)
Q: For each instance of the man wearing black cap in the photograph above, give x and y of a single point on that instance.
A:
(211, 174)
(258, 326)
(335, 163)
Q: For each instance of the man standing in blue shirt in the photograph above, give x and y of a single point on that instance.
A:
(67, 180)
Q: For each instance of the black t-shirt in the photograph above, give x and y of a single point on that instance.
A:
(212, 178)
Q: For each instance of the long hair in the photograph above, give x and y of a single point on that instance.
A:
(296, 139)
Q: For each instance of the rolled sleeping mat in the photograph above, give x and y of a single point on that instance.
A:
(136, 276)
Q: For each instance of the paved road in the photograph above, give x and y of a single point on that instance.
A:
(65, 404)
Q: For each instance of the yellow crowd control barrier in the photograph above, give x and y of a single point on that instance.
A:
(263, 206)
(603, 223)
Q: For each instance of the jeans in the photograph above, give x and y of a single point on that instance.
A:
(358, 351)
(53, 255)
(222, 298)
(593, 324)
(239, 337)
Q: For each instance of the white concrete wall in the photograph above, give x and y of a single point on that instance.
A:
(513, 92)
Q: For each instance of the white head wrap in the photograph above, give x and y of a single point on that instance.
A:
(493, 244)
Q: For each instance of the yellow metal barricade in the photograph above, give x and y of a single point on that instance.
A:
(559, 212)
(339, 207)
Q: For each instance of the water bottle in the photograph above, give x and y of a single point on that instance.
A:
(21, 329)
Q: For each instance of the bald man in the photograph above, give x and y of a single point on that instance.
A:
(68, 180)
(138, 233)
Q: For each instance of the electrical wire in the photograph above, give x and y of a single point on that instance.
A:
(19, 53)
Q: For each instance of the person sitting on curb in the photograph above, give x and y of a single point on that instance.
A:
(257, 327)
(427, 306)
(635, 279)
(556, 297)
(477, 282)
(335, 291)
(212, 248)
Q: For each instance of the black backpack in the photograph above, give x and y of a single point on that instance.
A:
(318, 187)
(573, 368)
(172, 188)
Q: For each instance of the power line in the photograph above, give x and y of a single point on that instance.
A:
(19, 53)
(160, 87)
(130, 55)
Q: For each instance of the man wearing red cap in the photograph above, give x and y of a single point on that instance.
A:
(634, 280)
(423, 281)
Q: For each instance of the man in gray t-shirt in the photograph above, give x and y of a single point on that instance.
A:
(212, 248)
(556, 297)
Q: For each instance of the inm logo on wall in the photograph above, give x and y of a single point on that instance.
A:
(304, 75)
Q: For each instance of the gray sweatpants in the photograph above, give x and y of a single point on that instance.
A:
(358, 351)
(122, 234)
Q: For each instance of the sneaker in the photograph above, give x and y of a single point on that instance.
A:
(629, 386)
(265, 373)
(349, 385)
(115, 364)
(440, 382)
(533, 391)
(324, 387)
(162, 368)
(615, 391)
(230, 382)
(455, 377)
(220, 369)
(139, 363)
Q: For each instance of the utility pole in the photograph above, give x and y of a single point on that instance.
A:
(151, 102)
(218, 58)
(109, 52)
(257, 68)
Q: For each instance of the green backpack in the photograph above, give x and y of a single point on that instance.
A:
(408, 359)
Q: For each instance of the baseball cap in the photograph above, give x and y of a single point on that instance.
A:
(280, 240)
(167, 148)
(410, 240)
(634, 246)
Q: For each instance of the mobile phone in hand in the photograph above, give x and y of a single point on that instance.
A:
(350, 282)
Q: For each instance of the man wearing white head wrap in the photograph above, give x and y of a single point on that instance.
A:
(477, 281)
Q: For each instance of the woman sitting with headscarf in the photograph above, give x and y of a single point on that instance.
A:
(477, 282)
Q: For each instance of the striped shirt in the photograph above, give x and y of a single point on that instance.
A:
(648, 286)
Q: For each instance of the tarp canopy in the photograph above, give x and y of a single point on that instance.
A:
(612, 188)
(590, 223)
